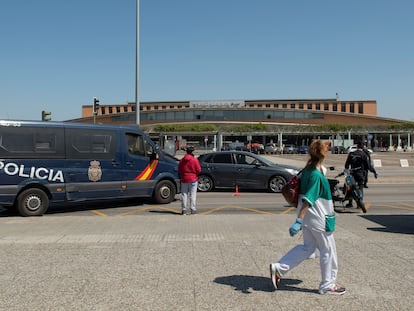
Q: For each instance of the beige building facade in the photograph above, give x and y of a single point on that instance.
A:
(303, 111)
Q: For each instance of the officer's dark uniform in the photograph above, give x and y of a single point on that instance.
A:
(359, 163)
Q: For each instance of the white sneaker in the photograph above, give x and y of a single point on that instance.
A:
(336, 290)
(275, 275)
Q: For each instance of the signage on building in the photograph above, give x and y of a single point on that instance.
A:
(217, 103)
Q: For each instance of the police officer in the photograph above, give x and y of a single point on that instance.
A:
(370, 168)
(360, 164)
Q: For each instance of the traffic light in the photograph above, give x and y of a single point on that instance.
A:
(95, 106)
(46, 115)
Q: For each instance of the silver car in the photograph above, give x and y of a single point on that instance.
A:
(271, 148)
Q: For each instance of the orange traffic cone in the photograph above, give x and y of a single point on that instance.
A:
(237, 191)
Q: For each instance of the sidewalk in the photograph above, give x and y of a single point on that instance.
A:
(215, 262)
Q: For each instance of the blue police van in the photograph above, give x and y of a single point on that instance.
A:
(43, 163)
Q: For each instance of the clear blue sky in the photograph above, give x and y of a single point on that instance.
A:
(55, 55)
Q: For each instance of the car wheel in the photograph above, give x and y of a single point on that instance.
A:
(205, 183)
(276, 183)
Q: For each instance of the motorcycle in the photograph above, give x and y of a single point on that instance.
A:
(348, 192)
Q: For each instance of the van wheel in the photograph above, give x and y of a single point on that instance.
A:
(164, 192)
(32, 202)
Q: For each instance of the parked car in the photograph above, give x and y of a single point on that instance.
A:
(228, 169)
(254, 147)
(303, 149)
(290, 149)
(271, 148)
(338, 149)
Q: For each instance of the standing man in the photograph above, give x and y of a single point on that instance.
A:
(189, 168)
(370, 168)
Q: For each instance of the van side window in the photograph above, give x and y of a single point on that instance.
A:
(137, 145)
(90, 144)
(31, 142)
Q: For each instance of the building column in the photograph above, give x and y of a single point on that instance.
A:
(399, 142)
(391, 147)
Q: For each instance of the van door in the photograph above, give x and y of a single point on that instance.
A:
(93, 166)
(139, 165)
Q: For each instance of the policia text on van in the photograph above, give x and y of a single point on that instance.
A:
(57, 162)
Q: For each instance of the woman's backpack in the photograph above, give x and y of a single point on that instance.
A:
(290, 191)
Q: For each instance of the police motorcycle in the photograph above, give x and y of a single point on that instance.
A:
(348, 192)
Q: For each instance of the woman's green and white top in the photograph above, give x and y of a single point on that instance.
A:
(314, 188)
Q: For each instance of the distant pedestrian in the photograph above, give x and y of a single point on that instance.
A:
(189, 169)
(316, 218)
(370, 168)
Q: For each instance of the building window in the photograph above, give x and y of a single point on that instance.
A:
(171, 107)
(292, 106)
(110, 110)
(301, 106)
(334, 107)
(103, 110)
(267, 105)
(125, 109)
(343, 107)
(318, 106)
(309, 106)
(360, 108)
(284, 106)
(118, 109)
(326, 106)
(351, 107)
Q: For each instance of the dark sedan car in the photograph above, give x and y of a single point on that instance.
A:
(290, 149)
(228, 169)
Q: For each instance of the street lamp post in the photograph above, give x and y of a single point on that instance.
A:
(137, 105)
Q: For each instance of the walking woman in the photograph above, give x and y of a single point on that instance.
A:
(316, 218)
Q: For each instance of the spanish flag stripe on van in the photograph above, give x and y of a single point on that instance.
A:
(148, 171)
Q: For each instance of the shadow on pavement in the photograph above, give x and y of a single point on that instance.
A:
(392, 223)
(81, 206)
(248, 283)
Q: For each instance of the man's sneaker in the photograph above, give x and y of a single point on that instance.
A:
(183, 212)
(349, 205)
(193, 212)
(336, 290)
(275, 275)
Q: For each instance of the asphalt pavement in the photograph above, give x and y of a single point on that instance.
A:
(213, 262)
(166, 261)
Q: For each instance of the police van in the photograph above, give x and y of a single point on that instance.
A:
(43, 163)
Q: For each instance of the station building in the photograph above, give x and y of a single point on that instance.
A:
(288, 113)
(310, 111)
